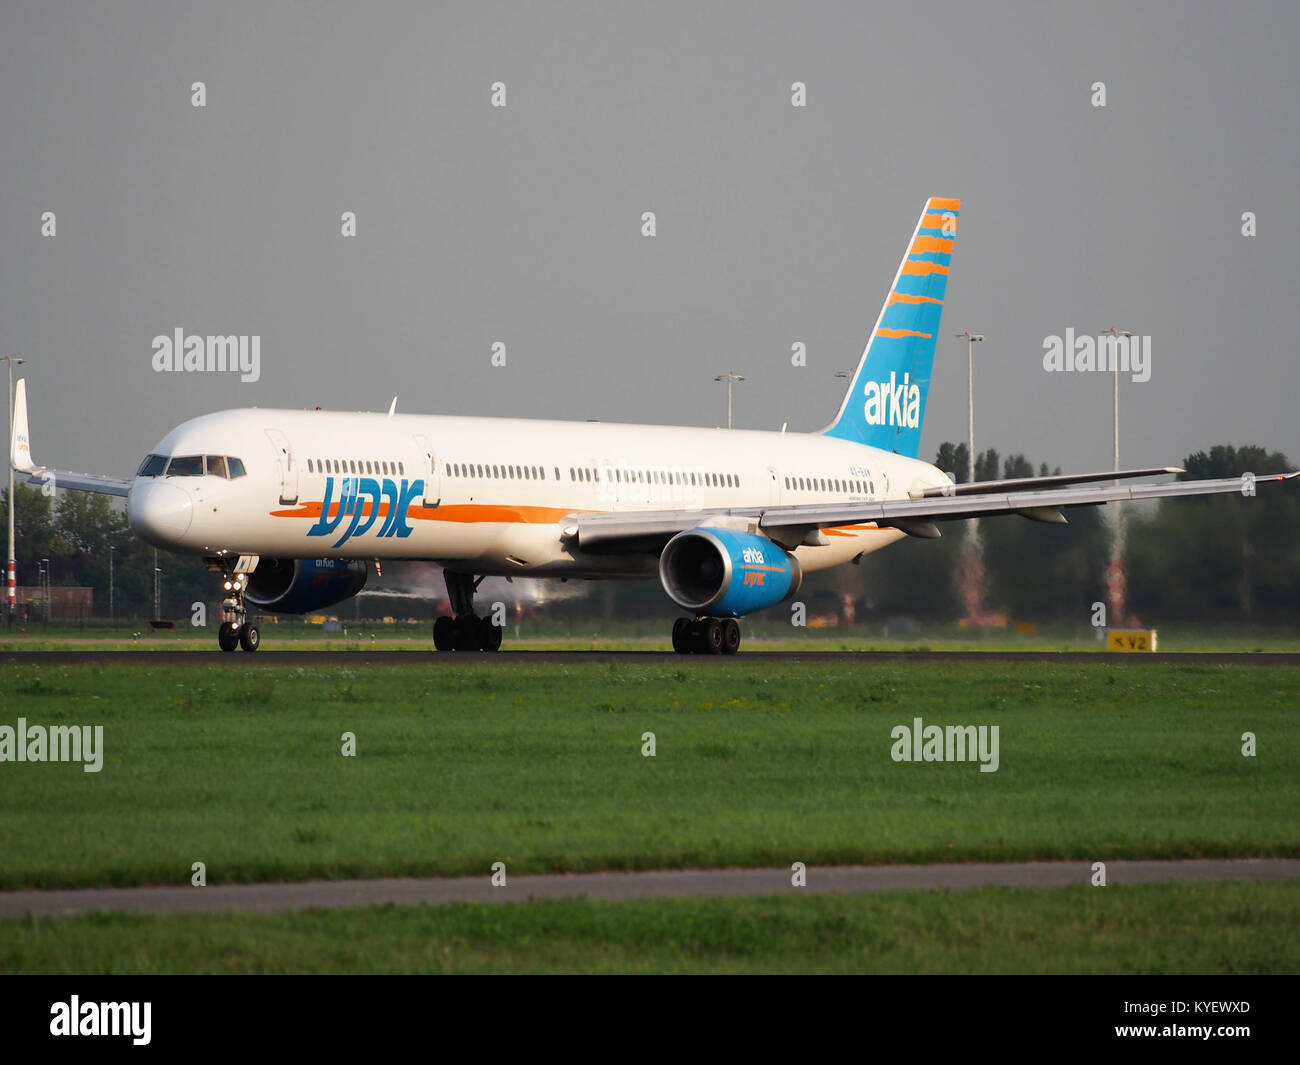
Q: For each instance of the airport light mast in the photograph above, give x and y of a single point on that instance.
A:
(971, 340)
(10, 359)
(1116, 580)
(730, 378)
(1114, 334)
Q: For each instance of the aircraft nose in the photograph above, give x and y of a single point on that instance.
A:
(160, 513)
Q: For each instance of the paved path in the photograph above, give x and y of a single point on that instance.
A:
(845, 880)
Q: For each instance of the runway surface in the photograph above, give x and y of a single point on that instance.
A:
(836, 880)
(289, 656)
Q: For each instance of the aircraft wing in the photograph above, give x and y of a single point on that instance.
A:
(20, 455)
(632, 531)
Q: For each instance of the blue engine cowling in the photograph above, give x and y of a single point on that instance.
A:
(724, 573)
(301, 585)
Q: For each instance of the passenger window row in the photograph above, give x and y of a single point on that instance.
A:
(486, 471)
(830, 484)
(590, 474)
(358, 466)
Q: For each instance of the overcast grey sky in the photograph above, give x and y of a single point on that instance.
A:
(523, 225)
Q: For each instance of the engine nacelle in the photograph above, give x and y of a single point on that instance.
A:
(301, 585)
(724, 573)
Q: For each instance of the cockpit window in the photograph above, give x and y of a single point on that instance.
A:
(191, 466)
(186, 466)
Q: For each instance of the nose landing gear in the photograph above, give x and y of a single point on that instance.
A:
(235, 630)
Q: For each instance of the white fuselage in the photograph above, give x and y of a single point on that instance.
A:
(494, 491)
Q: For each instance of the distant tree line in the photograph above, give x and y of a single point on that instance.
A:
(75, 530)
(1216, 558)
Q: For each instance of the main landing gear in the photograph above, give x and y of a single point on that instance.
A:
(235, 629)
(706, 636)
(465, 631)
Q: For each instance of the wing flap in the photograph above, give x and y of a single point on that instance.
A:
(641, 530)
(1029, 484)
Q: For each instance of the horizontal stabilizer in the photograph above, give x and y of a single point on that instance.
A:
(20, 455)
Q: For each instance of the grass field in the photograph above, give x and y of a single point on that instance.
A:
(1158, 928)
(540, 766)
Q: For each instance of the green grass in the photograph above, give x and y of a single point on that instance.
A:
(540, 766)
(1155, 928)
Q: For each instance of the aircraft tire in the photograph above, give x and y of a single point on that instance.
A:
(444, 633)
(489, 635)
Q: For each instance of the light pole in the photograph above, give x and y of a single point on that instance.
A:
(45, 590)
(730, 378)
(111, 549)
(157, 587)
(1114, 335)
(10, 359)
(971, 340)
(1116, 580)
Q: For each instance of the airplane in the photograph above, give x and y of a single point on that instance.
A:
(291, 506)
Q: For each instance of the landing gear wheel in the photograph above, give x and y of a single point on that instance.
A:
(730, 636)
(249, 638)
(227, 637)
(466, 633)
(489, 635)
(712, 636)
(444, 633)
(682, 636)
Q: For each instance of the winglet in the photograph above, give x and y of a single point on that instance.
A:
(20, 447)
(392, 407)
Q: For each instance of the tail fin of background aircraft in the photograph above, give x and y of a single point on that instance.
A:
(885, 404)
(20, 446)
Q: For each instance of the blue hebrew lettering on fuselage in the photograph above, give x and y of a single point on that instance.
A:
(356, 494)
(366, 486)
(325, 524)
(410, 490)
(390, 493)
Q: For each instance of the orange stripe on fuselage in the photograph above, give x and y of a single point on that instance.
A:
(490, 512)
(459, 512)
(838, 530)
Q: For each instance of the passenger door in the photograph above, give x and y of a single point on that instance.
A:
(432, 482)
(288, 466)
